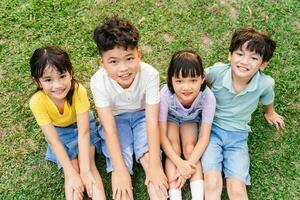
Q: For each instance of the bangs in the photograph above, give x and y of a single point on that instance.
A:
(256, 45)
(186, 68)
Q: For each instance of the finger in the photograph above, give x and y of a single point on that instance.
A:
(118, 194)
(178, 182)
(89, 189)
(147, 181)
(276, 125)
(130, 193)
(157, 191)
(164, 191)
(114, 193)
(78, 195)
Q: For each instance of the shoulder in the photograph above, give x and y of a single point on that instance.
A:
(266, 80)
(80, 89)
(164, 90)
(37, 99)
(218, 67)
(147, 69)
(100, 75)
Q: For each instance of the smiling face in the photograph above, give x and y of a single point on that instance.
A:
(121, 65)
(55, 84)
(245, 63)
(187, 89)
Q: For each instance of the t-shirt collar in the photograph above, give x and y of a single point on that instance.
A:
(227, 83)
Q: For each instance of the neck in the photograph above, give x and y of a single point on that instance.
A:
(239, 84)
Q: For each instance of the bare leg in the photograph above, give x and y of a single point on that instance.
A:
(68, 191)
(145, 163)
(188, 133)
(212, 185)
(98, 193)
(236, 189)
(170, 168)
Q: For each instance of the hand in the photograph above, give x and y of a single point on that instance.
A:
(88, 181)
(157, 177)
(274, 119)
(180, 182)
(75, 185)
(121, 185)
(186, 169)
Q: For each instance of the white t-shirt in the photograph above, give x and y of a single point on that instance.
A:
(143, 90)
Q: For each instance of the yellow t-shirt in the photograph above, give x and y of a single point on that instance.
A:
(46, 112)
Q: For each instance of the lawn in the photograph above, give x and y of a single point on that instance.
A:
(165, 27)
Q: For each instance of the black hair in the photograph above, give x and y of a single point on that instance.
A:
(256, 41)
(186, 63)
(115, 32)
(53, 57)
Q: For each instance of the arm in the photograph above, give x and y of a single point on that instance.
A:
(121, 180)
(84, 152)
(272, 117)
(202, 143)
(71, 174)
(155, 173)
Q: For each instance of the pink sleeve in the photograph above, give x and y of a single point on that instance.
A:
(163, 112)
(209, 108)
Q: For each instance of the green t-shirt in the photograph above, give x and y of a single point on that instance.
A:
(234, 110)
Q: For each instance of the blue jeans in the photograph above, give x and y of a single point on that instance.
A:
(69, 138)
(227, 151)
(132, 133)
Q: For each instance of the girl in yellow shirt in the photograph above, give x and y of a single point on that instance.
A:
(61, 108)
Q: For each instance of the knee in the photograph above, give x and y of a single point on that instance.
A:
(213, 182)
(176, 147)
(187, 150)
(237, 191)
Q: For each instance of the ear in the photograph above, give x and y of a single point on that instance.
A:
(38, 84)
(229, 56)
(100, 60)
(263, 65)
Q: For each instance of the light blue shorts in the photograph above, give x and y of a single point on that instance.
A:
(69, 138)
(132, 133)
(227, 151)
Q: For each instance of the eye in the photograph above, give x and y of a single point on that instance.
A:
(178, 81)
(63, 75)
(254, 58)
(239, 53)
(130, 58)
(47, 80)
(112, 62)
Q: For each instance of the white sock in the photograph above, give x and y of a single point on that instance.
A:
(197, 190)
(175, 194)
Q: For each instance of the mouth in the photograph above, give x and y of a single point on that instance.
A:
(243, 69)
(187, 93)
(59, 92)
(125, 77)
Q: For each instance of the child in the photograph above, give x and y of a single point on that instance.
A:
(238, 88)
(61, 108)
(187, 108)
(126, 94)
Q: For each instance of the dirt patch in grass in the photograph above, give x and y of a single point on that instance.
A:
(207, 42)
(296, 25)
(168, 37)
(146, 49)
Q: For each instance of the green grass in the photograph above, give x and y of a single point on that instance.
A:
(165, 26)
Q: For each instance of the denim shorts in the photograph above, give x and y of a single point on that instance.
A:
(69, 138)
(132, 133)
(227, 151)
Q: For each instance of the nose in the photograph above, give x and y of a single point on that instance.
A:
(123, 67)
(56, 84)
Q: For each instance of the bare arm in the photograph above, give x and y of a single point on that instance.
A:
(155, 172)
(201, 143)
(272, 117)
(121, 180)
(62, 156)
(83, 124)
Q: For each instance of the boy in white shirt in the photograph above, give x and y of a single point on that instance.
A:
(126, 94)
